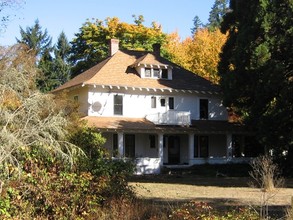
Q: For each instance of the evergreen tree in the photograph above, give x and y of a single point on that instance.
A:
(256, 70)
(55, 70)
(216, 14)
(196, 25)
(36, 39)
(61, 64)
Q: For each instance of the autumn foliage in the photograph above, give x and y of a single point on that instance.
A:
(199, 54)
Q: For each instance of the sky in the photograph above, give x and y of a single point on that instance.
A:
(69, 15)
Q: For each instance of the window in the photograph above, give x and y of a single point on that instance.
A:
(203, 109)
(115, 145)
(118, 105)
(130, 145)
(156, 73)
(171, 103)
(201, 146)
(153, 102)
(163, 102)
(164, 73)
(152, 141)
(75, 98)
(147, 72)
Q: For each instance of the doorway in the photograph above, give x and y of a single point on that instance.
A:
(173, 150)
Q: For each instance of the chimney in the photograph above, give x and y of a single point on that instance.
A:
(113, 47)
(157, 49)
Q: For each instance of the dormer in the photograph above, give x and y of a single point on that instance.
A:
(154, 71)
(150, 66)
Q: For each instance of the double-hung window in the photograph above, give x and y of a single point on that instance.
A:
(203, 109)
(153, 102)
(118, 105)
(171, 102)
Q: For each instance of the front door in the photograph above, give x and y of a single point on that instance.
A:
(173, 150)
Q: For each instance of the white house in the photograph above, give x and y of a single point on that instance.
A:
(156, 112)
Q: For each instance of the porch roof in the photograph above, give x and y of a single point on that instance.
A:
(142, 125)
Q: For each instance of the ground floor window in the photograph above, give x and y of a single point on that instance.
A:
(129, 145)
(201, 146)
(152, 138)
(115, 145)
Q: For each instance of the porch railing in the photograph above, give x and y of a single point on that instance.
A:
(170, 118)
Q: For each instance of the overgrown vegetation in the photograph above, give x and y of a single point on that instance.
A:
(47, 170)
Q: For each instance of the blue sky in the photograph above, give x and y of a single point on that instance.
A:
(69, 15)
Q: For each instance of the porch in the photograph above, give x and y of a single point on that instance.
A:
(153, 146)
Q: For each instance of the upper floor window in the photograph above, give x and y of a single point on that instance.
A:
(153, 102)
(148, 72)
(203, 109)
(171, 103)
(118, 105)
(156, 73)
(164, 74)
(163, 102)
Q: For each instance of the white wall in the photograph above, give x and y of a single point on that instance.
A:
(138, 105)
(82, 94)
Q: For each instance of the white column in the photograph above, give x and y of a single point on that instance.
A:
(120, 145)
(229, 146)
(191, 148)
(160, 147)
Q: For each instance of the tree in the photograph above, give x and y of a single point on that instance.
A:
(256, 70)
(29, 118)
(37, 40)
(55, 70)
(197, 24)
(216, 14)
(199, 54)
(90, 45)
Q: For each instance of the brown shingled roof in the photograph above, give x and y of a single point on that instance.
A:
(118, 70)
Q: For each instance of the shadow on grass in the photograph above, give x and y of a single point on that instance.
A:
(221, 205)
(226, 175)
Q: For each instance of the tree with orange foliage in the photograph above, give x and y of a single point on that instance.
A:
(199, 54)
(90, 45)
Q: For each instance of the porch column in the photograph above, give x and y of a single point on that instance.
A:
(229, 146)
(191, 148)
(120, 144)
(160, 148)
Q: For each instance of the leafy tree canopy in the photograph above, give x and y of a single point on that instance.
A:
(199, 54)
(90, 45)
(256, 69)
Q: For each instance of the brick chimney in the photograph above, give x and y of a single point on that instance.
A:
(113, 46)
(157, 49)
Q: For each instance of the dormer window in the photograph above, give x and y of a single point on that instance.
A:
(148, 72)
(164, 73)
(156, 73)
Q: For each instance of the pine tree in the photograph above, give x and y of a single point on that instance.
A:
(196, 25)
(216, 14)
(36, 39)
(256, 70)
